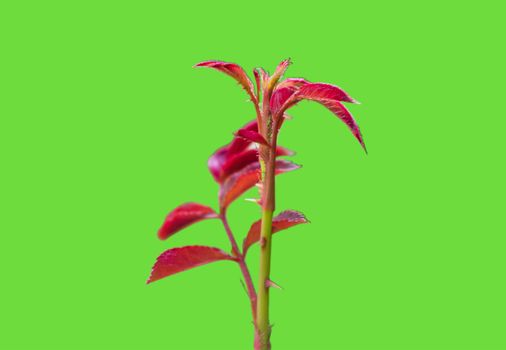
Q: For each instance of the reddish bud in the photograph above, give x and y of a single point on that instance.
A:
(278, 74)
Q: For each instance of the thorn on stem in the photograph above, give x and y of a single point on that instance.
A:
(253, 200)
(270, 284)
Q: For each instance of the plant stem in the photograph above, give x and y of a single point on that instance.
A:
(263, 328)
(242, 264)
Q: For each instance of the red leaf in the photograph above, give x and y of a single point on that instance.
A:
(282, 221)
(252, 136)
(329, 96)
(238, 183)
(184, 216)
(293, 83)
(237, 154)
(279, 98)
(246, 178)
(342, 113)
(241, 160)
(235, 71)
(239, 144)
(284, 91)
(238, 162)
(324, 91)
(180, 259)
(216, 161)
(223, 154)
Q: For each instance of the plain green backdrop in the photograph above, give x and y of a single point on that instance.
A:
(105, 127)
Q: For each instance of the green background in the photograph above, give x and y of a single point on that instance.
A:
(105, 127)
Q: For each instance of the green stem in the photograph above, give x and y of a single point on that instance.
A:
(263, 328)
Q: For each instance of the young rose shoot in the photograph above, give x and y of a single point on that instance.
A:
(251, 159)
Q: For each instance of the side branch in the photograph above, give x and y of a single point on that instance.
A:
(242, 264)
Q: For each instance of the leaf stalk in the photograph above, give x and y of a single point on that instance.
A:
(243, 266)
